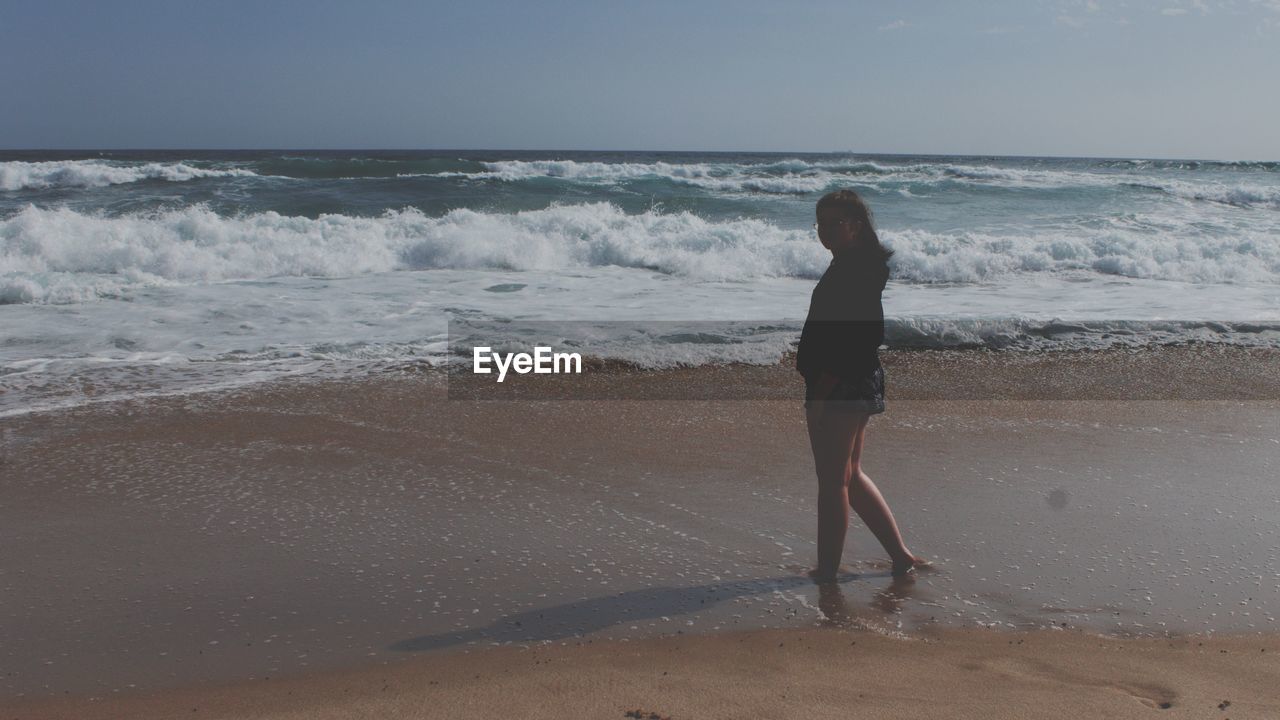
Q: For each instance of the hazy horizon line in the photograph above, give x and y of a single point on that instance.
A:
(620, 150)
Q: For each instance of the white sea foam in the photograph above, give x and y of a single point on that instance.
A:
(19, 175)
(524, 169)
(785, 185)
(795, 176)
(972, 256)
(784, 177)
(61, 255)
(65, 256)
(1242, 195)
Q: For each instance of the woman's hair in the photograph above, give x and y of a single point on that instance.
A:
(848, 202)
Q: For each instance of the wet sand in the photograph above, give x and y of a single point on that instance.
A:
(296, 529)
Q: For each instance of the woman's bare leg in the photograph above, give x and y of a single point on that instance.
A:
(869, 504)
(866, 500)
(831, 438)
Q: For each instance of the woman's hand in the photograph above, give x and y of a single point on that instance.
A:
(826, 383)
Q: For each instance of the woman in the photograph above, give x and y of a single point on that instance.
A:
(844, 381)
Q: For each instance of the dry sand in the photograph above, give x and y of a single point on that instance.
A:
(171, 554)
(762, 674)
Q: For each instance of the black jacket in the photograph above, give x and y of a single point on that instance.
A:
(845, 326)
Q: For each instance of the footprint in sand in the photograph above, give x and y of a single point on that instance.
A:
(1153, 695)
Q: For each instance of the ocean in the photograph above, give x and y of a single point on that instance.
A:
(136, 273)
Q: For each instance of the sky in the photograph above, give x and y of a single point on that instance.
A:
(1090, 78)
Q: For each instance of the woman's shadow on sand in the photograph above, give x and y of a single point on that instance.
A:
(577, 619)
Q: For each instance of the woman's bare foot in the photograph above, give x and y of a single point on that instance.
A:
(909, 564)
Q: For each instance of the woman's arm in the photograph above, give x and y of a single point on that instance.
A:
(845, 326)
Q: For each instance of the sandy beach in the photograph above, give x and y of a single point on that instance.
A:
(808, 673)
(1101, 524)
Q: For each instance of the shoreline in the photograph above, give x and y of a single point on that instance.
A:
(1187, 371)
(302, 528)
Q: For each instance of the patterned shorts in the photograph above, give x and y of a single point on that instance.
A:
(861, 395)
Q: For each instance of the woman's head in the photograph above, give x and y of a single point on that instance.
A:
(844, 224)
